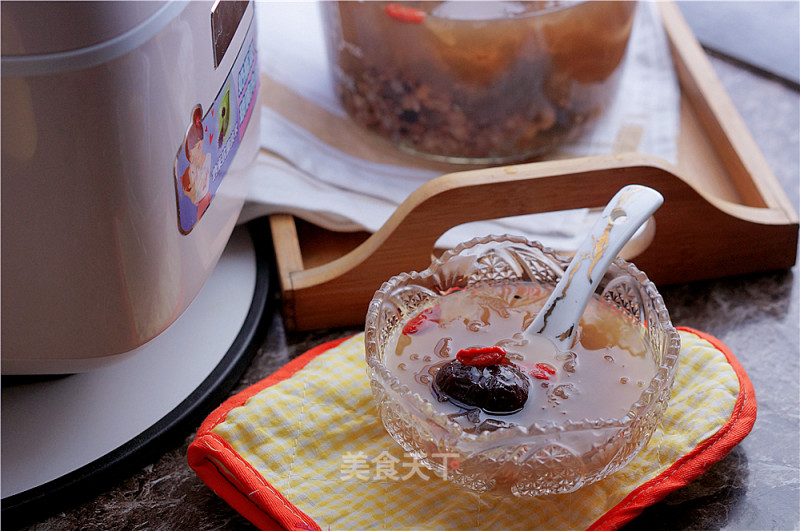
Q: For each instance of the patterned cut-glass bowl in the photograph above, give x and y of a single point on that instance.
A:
(530, 460)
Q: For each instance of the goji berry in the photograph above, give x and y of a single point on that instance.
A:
(405, 14)
(542, 371)
(482, 356)
(423, 320)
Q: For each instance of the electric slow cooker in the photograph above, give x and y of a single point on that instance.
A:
(129, 131)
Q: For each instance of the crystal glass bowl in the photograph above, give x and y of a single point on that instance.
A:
(531, 460)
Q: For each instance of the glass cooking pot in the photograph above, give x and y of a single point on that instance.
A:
(477, 82)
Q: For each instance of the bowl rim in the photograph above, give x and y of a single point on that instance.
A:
(661, 381)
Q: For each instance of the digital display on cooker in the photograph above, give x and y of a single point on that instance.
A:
(225, 18)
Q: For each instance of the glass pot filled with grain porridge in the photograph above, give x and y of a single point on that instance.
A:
(477, 82)
(453, 375)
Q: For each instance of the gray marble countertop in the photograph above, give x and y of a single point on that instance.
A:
(756, 486)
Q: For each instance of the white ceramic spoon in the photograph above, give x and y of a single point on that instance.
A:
(624, 214)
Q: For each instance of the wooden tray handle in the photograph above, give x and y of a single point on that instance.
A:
(689, 221)
(698, 236)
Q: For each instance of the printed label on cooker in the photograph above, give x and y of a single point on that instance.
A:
(213, 136)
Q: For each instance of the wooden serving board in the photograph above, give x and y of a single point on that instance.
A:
(724, 212)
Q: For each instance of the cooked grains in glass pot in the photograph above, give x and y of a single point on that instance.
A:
(477, 82)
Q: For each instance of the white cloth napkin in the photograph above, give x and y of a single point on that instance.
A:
(300, 174)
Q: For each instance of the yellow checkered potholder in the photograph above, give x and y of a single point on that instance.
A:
(305, 449)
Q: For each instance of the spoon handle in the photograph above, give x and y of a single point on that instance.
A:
(621, 218)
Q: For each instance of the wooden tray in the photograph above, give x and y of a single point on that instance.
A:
(724, 211)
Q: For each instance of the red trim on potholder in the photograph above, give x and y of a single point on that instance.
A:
(233, 478)
(693, 464)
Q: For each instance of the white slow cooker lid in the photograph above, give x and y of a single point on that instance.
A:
(40, 38)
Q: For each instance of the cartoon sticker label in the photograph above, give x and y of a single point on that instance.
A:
(213, 137)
